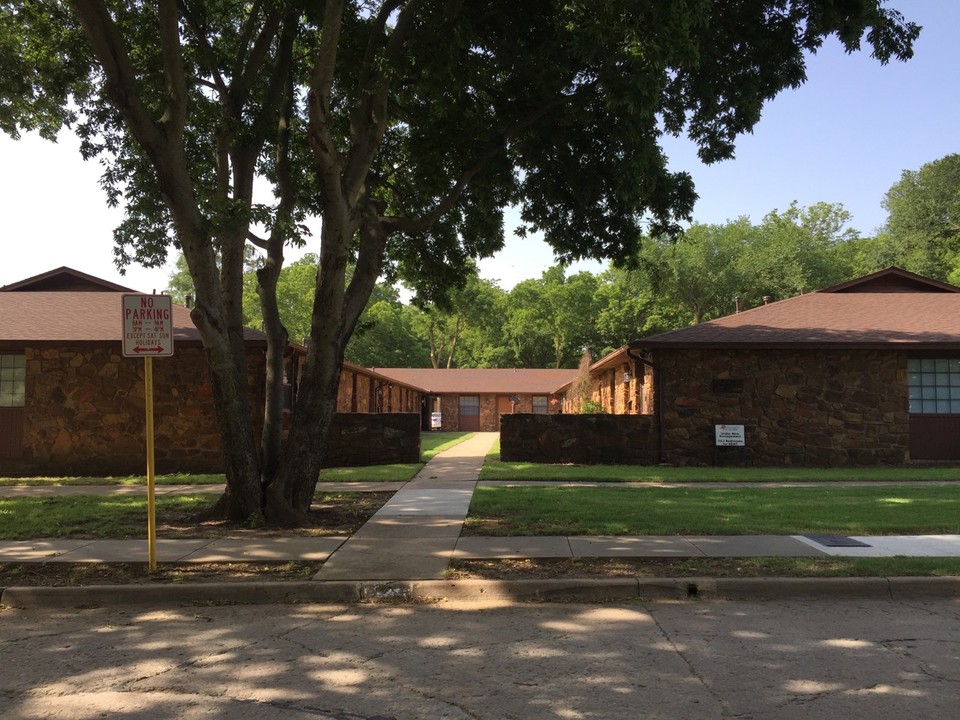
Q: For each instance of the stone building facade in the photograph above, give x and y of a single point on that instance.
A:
(86, 414)
(862, 373)
(796, 407)
(71, 404)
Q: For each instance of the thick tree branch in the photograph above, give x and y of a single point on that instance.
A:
(200, 32)
(369, 119)
(122, 88)
(175, 115)
(258, 241)
(279, 92)
(373, 243)
(320, 133)
(240, 87)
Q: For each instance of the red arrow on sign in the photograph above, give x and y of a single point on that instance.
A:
(144, 350)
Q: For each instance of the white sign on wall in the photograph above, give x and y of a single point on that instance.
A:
(147, 326)
(730, 435)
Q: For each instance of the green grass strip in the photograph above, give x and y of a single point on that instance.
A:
(87, 516)
(727, 511)
(171, 479)
(495, 469)
(398, 472)
(432, 443)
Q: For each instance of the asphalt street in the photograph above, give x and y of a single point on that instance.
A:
(691, 660)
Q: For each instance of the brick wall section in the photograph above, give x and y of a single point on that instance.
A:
(613, 394)
(359, 392)
(449, 413)
(84, 413)
(798, 407)
(489, 417)
(358, 439)
(584, 439)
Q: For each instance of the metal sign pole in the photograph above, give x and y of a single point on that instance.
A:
(148, 333)
(151, 495)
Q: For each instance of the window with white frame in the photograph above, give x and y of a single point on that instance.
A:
(933, 385)
(13, 375)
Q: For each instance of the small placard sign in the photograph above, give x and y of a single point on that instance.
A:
(730, 435)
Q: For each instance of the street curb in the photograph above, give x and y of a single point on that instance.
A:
(550, 590)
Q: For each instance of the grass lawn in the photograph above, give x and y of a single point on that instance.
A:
(122, 517)
(495, 469)
(172, 479)
(701, 511)
(433, 442)
(86, 516)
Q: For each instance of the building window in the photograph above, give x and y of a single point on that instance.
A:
(469, 406)
(13, 375)
(933, 386)
(540, 404)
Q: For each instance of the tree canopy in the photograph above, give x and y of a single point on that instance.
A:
(406, 126)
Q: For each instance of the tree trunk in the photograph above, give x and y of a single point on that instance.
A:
(242, 498)
(277, 338)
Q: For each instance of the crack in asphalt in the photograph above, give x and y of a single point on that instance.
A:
(724, 708)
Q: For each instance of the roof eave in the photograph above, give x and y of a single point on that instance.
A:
(810, 345)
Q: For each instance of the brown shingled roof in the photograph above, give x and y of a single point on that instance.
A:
(80, 316)
(481, 381)
(867, 320)
(64, 279)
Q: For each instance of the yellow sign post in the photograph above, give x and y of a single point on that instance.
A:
(151, 491)
(148, 333)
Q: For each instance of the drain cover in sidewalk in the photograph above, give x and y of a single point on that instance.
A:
(836, 541)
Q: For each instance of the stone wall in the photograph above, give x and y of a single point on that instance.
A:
(358, 439)
(804, 407)
(583, 439)
(84, 413)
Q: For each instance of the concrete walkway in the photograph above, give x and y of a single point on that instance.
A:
(417, 533)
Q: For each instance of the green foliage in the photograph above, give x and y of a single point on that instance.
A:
(459, 327)
(923, 229)
(554, 107)
(386, 335)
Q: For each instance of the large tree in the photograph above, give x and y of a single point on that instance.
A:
(406, 126)
(922, 232)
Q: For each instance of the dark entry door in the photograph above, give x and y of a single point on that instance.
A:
(11, 432)
(469, 413)
(935, 437)
(504, 407)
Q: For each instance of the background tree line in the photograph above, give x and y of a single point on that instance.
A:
(548, 321)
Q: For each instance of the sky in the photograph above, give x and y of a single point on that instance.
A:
(844, 137)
